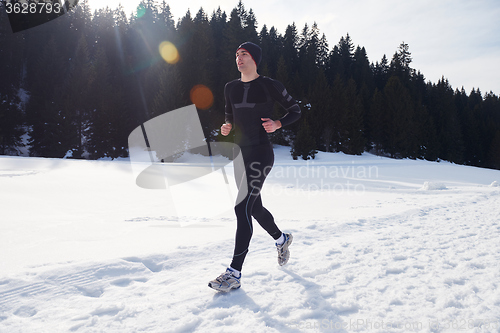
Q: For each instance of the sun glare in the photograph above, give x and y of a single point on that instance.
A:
(202, 96)
(169, 52)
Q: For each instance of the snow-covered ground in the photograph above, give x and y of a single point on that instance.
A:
(380, 245)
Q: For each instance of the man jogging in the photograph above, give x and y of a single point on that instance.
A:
(249, 107)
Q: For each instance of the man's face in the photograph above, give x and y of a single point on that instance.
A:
(244, 61)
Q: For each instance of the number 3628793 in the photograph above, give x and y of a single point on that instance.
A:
(33, 8)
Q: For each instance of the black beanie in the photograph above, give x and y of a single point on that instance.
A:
(254, 50)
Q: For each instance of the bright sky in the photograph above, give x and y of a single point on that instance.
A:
(458, 39)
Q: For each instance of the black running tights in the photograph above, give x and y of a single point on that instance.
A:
(257, 163)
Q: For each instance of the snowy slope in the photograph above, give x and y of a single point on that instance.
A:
(380, 245)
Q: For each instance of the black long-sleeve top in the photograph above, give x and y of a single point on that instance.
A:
(248, 102)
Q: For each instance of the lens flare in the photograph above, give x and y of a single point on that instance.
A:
(141, 11)
(169, 52)
(202, 97)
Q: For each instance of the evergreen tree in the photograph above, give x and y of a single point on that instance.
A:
(353, 142)
(336, 119)
(43, 110)
(218, 25)
(233, 36)
(362, 72)
(106, 135)
(323, 53)
(400, 64)
(11, 84)
(363, 77)
(377, 119)
(76, 102)
(271, 45)
(447, 123)
(494, 152)
(290, 47)
(304, 145)
(250, 27)
(333, 66)
(471, 128)
(429, 145)
(381, 73)
(491, 114)
(167, 20)
(346, 57)
(308, 50)
(286, 135)
(399, 128)
(242, 13)
(203, 43)
(404, 56)
(170, 95)
(313, 46)
(11, 124)
(196, 40)
(320, 115)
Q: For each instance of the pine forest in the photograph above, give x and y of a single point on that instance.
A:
(77, 86)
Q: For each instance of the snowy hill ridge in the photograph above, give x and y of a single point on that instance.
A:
(380, 245)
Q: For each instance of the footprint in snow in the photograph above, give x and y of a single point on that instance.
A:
(125, 282)
(107, 311)
(390, 271)
(93, 292)
(148, 263)
(25, 311)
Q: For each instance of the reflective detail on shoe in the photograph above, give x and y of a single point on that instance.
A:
(283, 252)
(226, 281)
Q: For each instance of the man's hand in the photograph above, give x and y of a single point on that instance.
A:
(225, 129)
(270, 125)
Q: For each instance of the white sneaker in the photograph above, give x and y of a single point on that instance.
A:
(226, 281)
(283, 252)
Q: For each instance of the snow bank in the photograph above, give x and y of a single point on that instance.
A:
(83, 249)
(433, 186)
